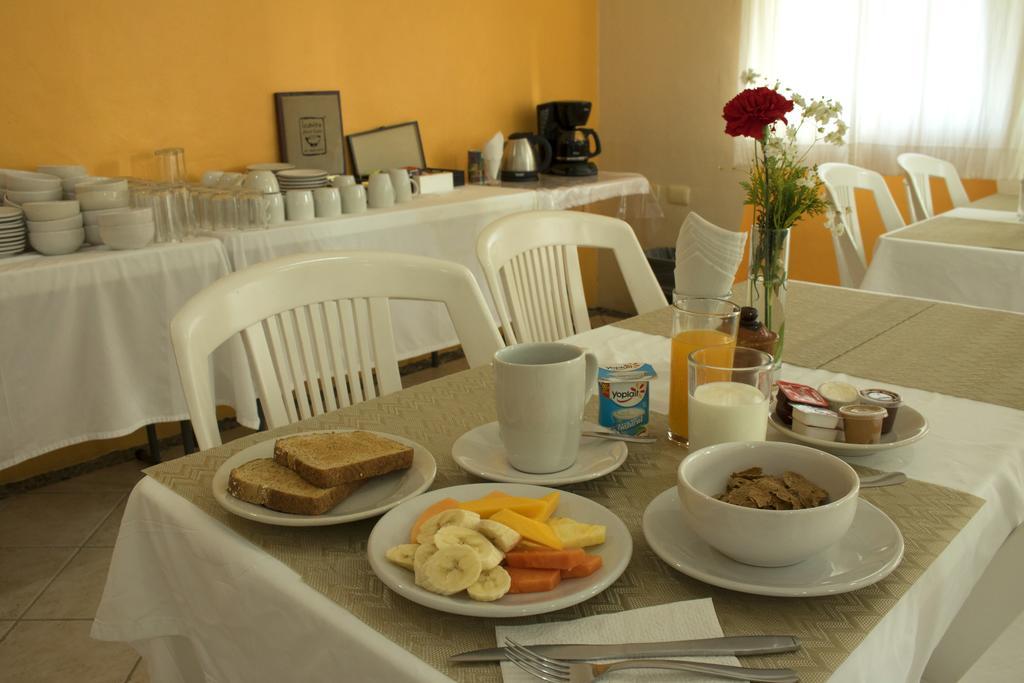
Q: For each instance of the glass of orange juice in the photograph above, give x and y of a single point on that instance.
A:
(697, 323)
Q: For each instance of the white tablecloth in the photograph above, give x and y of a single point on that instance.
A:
(191, 595)
(85, 349)
(976, 276)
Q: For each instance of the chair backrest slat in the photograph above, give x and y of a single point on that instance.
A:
(918, 170)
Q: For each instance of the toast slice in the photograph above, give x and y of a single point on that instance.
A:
(264, 482)
(332, 458)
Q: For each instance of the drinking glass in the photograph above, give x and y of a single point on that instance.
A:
(696, 324)
(253, 210)
(729, 391)
(170, 163)
(225, 210)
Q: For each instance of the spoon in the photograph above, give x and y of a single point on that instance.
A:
(884, 479)
(612, 436)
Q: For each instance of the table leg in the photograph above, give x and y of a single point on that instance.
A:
(263, 418)
(154, 444)
(435, 359)
(188, 437)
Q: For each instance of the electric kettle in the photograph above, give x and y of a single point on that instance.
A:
(519, 161)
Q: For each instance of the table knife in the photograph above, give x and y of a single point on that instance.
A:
(708, 647)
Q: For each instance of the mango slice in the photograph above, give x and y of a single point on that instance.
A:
(530, 529)
(486, 507)
(575, 534)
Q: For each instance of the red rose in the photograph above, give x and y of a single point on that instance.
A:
(749, 112)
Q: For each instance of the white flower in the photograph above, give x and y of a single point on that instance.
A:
(833, 221)
(806, 181)
(749, 76)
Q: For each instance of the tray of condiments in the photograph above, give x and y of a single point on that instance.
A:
(846, 420)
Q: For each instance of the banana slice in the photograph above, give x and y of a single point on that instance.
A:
(423, 553)
(403, 555)
(504, 538)
(454, 536)
(449, 570)
(492, 585)
(462, 518)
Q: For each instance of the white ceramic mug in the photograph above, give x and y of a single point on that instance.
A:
(327, 202)
(276, 203)
(299, 206)
(211, 178)
(541, 390)
(381, 194)
(261, 181)
(353, 199)
(340, 181)
(406, 187)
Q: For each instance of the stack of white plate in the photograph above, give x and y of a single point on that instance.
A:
(302, 179)
(275, 166)
(12, 231)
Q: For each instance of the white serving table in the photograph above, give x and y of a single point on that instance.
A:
(85, 349)
(196, 599)
(957, 273)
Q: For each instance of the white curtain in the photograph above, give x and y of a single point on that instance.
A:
(939, 77)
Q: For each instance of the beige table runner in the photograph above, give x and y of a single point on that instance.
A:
(332, 559)
(965, 232)
(996, 202)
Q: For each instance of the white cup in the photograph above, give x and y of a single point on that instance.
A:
(340, 181)
(353, 199)
(298, 205)
(261, 181)
(228, 180)
(406, 187)
(327, 202)
(211, 178)
(381, 194)
(275, 202)
(541, 390)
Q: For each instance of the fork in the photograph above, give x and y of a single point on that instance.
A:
(558, 671)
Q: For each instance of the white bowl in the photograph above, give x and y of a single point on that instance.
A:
(51, 211)
(125, 216)
(92, 234)
(93, 217)
(64, 171)
(127, 236)
(25, 196)
(56, 226)
(57, 243)
(94, 200)
(69, 183)
(101, 185)
(766, 538)
(32, 182)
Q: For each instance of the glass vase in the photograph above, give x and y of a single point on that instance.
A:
(767, 276)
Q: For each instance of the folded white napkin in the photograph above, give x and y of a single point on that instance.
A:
(674, 621)
(494, 147)
(707, 257)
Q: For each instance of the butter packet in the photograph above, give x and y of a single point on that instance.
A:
(624, 404)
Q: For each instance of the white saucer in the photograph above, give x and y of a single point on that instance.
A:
(869, 551)
(393, 528)
(376, 496)
(481, 453)
(908, 427)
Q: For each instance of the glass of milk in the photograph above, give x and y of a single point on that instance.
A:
(729, 390)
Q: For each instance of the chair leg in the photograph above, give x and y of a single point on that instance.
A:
(188, 437)
(435, 359)
(263, 418)
(154, 445)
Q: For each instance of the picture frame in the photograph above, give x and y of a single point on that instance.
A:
(309, 129)
(396, 146)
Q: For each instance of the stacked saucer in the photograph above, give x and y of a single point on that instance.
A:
(12, 231)
(302, 179)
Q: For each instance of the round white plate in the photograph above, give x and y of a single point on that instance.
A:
(301, 173)
(869, 551)
(481, 453)
(393, 529)
(377, 495)
(909, 427)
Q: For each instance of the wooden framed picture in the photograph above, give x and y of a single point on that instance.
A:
(398, 146)
(309, 133)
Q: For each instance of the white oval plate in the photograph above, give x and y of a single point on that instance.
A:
(868, 553)
(910, 426)
(377, 495)
(481, 453)
(393, 529)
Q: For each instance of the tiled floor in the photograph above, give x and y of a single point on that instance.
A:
(55, 548)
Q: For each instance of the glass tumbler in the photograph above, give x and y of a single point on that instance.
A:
(225, 210)
(729, 389)
(696, 324)
(253, 210)
(170, 163)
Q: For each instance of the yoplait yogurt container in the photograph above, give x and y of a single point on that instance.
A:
(624, 389)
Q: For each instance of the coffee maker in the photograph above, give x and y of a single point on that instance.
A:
(560, 123)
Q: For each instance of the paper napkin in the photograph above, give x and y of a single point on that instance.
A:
(707, 257)
(674, 621)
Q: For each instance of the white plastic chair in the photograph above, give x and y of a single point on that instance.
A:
(917, 170)
(533, 271)
(317, 330)
(841, 181)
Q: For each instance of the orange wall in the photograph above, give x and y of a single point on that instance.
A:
(811, 255)
(105, 82)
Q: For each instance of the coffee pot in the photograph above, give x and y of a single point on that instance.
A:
(519, 162)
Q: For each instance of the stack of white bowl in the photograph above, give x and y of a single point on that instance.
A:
(26, 186)
(69, 174)
(99, 195)
(54, 227)
(127, 228)
(12, 231)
